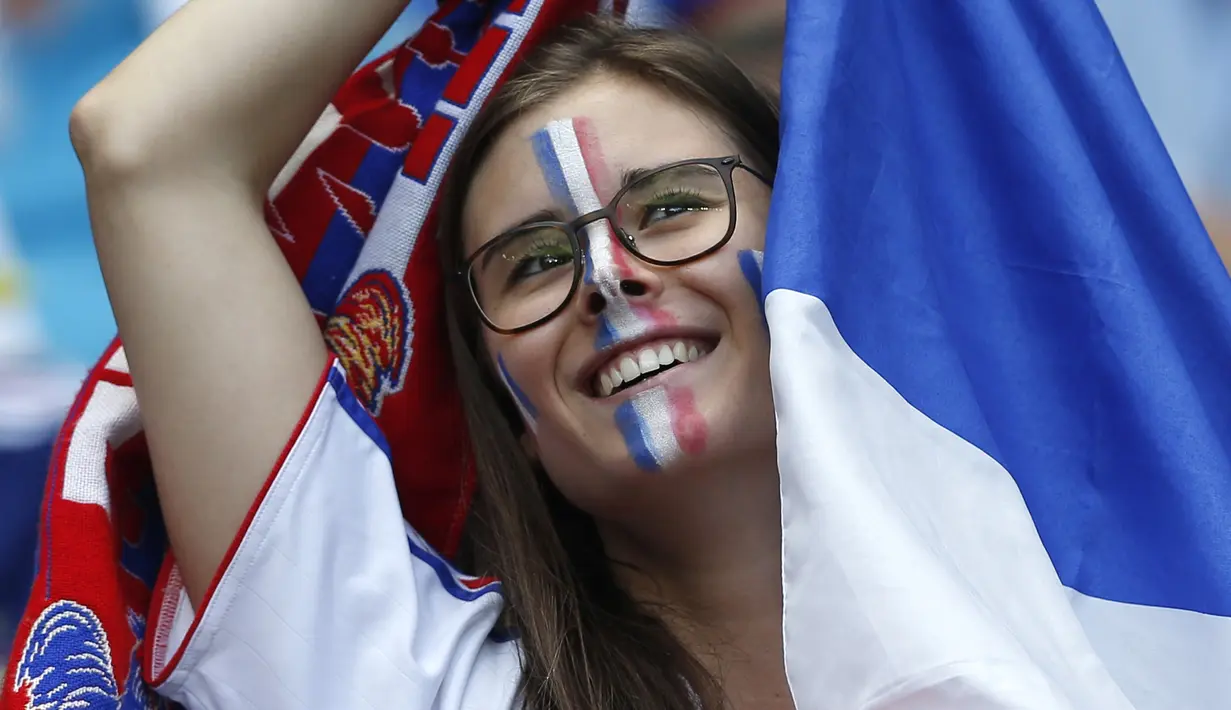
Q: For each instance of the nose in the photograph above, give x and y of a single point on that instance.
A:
(630, 290)
(614, 278)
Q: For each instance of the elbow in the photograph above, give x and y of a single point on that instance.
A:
(115, 140)
(104, 138)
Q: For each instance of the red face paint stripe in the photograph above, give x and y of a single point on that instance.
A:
(592, 154)
(654, 315)
(596, 168)
(687, 424)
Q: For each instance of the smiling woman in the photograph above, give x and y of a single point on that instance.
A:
(613, 363)
(594, 218)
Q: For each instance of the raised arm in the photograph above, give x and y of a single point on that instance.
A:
(179, 146)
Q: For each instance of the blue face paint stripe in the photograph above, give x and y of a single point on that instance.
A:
(606, 336)
(750, 263)
(587, 276)
(751, 266)
(518, 394)
(631, 427)
(553, 172)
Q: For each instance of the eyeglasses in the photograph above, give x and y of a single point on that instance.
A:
(669, 216)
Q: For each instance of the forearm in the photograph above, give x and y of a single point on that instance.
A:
(233, 83)
(179, 145)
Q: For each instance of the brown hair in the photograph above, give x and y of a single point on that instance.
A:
(586, 643)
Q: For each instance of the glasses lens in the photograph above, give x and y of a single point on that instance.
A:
(523, 276)
(677, 213)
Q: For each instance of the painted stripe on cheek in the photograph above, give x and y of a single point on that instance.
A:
(687, 424)
(527, 408)
(751, 264)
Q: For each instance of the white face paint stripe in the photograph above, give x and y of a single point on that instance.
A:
(573, 164)
(654, 412)
(622, 321)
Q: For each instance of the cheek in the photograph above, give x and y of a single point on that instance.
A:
(524, 363)
(751, 264)
(529, 413)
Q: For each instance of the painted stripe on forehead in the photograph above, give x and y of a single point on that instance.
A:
(595, 162)
(569, 169)
(604, 183)
(553, 172)
(566, 151)
(570, 154)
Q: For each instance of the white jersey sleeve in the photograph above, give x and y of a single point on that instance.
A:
(328, 599)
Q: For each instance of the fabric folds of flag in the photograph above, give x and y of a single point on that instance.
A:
(1001, 352)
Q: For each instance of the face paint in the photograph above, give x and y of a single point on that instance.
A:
(752, 263)
(660, 425)
(571, 159)
(528, 411)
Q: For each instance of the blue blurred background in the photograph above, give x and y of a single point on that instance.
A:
(52, 63)
(54, 317)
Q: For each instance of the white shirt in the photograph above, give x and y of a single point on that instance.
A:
(328, 599)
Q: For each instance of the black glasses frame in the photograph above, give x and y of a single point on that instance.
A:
(724, 166)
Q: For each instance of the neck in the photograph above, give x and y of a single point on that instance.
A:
(708, 552)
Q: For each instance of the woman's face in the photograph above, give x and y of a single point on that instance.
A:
(649, 371)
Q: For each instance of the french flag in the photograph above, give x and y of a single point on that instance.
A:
(1002, 367)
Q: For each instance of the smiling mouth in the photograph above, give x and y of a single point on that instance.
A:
(645, 362)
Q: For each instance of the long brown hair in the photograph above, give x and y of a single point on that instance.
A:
(586, 643)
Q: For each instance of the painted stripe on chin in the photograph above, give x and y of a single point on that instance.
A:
(632, 428)
(687, 424)
(660, 426)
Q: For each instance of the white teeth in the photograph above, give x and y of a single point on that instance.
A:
(629, 369)
(647, 361)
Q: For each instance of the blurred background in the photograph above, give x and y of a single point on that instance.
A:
(54, 318)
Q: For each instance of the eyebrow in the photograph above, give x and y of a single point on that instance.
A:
(628, 177)
(540, 216)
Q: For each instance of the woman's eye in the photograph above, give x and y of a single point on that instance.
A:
(534, 264)
(661, 211)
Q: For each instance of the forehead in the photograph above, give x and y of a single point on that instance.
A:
(626, 126)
